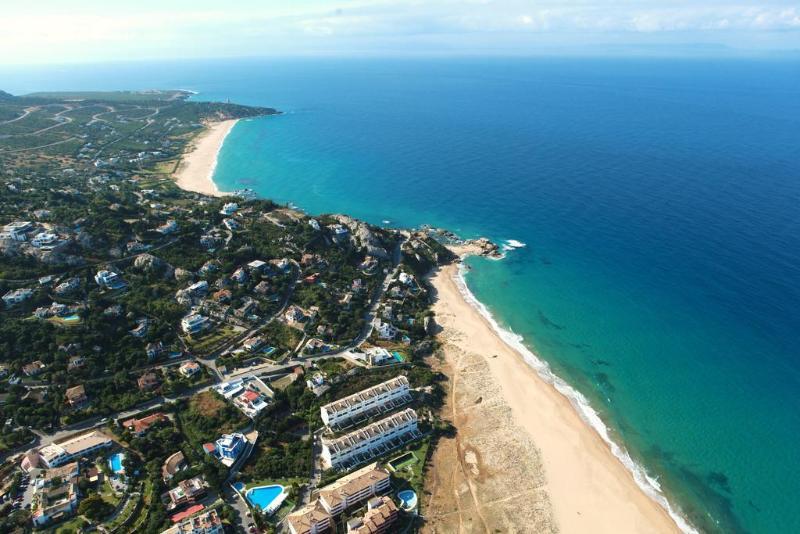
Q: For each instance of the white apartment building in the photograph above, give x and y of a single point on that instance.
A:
(391, 392)
(364, 443)
(57, 454)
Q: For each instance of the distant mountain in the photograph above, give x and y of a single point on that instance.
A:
(6, 96)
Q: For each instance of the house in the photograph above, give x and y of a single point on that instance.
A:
(228, 447)
(295, 314)
(357, 285)
(282, 264)
(352, 448)
(68, 286)
(55, 497)
(263, 288)
(168, 227)
(16, 231)
(378, 356)
(199, 288)
(223, 295)
(187, 491)
(229, 209)
(249, 307)
(153, 350)
(189, 369)
(85, 445)
(194, 323)
(253, 343)
(251, 402)
(142, 326)
(257, 265)
(385, 330)
(386, 395)
(346, 299)
(205, 523)
(76, 396)
(314, 224)
(339, 232)
(33, 368)
(230, 224)
(174, 463)
(381, 514)
(148, 381)
(138, 427)
(16, 296)
(44, 240)
(109, 279)
(239, 276)
(76, 362)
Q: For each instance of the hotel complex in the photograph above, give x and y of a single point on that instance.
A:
(364, 443)
(380, 398)
(57, 454)
(335, 498)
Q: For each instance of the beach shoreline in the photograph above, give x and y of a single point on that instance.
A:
(589, 488)
(195, 172)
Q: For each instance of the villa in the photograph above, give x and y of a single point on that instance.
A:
(227, 448)
(239, 276)
(148, 381)
(55, 497)
(230, 224)
(381, 514)
(33, 368)
(194, 323)
(364, 443)
(68, 286)
(138, 427)
(109, 279)
(189, 369)
(205, 523)
(385, 330)
(153, 350)
(187, 491)
(257, 265)
(16, 296)
(57, 454)
(251, 402)
(16, 231)
(229, 209)
(295, 314)
(168, 227)
(253, 343)
(76, 396)
(174, 463)
(199, 288)
(44, 240)
(386, 395)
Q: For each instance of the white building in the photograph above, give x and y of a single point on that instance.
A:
(16, 230)
(229, 209)
(393, 392)
(16, 296)
(194, 323)
(385, 330)
(57, 454)
(44, 240)
(378, 437)
(109, 279)
(231, 224)
(168, 227)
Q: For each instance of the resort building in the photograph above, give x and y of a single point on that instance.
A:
(381, 514)
(310, 519)
(364, 443)
(57, 454)
(54, 500)
(174, 463)
(187, 491)
(337, 497)
(194, 323)
(386, 395)
(206, 523)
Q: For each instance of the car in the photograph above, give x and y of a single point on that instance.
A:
(104, 420)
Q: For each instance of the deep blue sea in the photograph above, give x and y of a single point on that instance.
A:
(659, 201)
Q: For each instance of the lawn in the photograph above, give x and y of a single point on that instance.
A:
(208, 341)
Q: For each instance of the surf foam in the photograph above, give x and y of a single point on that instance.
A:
(648, 484)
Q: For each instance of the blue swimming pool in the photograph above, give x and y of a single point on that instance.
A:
(398, 356)
(266, 498)
(115, 462)
(408, 499)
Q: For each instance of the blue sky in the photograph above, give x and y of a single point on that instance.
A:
(49, 31)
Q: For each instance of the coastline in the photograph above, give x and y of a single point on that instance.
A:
(579, 483)
(196, 170)
(589, 489)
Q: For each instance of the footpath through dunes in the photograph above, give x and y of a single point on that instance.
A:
(521, 459)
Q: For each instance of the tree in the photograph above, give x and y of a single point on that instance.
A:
(94, 507)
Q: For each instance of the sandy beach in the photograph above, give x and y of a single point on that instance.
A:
(522, 460)
(197, 166)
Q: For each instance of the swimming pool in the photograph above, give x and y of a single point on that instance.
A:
(408, 499)
(398, 356)
(115, 462)
(266, 498)
(71, 318)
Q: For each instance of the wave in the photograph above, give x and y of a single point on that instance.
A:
(511, 244)
(648, 484)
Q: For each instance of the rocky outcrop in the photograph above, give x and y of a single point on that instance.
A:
(486, 247)
(150, 264)
(182, 274)
(364, 237)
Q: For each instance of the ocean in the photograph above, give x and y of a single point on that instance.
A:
(658, 202)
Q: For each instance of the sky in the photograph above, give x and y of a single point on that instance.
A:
(55, 31)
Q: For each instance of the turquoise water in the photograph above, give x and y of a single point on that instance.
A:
(115, 461)
(659, 202)
(263, 496)
(408, 499)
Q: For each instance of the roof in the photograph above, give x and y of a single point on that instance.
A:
(353, 483)
(382, 512)
(172, 464)
(367, 394)
(76, 393)
(303, 520)
(74, 446)
(378, 428)
(141, 425)
(177, 518)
